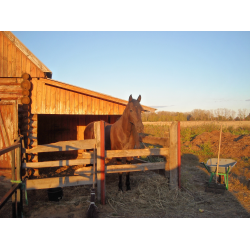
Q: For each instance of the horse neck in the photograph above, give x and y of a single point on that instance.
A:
(125, 123)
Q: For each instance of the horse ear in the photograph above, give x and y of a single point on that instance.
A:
(139, 98)
(130, 98)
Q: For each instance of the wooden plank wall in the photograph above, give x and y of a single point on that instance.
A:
(13, 63)
(48, 99)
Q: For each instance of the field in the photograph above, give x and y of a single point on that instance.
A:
(150, 196)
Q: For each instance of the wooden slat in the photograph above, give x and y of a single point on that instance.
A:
(63, 146)
(136, 152)
(8, 149)
(84, 170)
(53, 101)
(116, 112)
(72, 102)
(33, 70)
(134, 167)
(43, 103)
(18, 63)
(67, 107)
(154, 140)
(34, 97)
(105, 112)
(84, 104)
(58, 93)
(76, 99)
(1, 54)
(5, 56)
(89, 106)
(40, 96)
(13, 58)
(66, 181)
(101, 107)
(27, 66)
(9, 58)
(23, 59)
(80, 104)
(59, 163)
(63, 101)
(47, 99)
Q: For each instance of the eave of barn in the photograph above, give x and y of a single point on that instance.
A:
(54, 97)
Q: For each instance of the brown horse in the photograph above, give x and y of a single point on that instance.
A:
(123, 134)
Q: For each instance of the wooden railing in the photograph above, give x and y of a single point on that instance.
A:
(84, 175)
(88, 158)
(15, 192)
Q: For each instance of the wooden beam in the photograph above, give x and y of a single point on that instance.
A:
(136, 152)
(134, 167)
(173, 159)
(8, 149)
(65, 181)
(154, 140)
(59, 163)
(100, 166)
(63, 146)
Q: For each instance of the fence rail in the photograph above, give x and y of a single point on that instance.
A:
(85, 176)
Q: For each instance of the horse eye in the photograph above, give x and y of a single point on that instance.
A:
(131, 110)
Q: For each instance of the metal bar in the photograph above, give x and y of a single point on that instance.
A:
(9, 194)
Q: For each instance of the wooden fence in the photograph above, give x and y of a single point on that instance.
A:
(15, 192)
(84, 175)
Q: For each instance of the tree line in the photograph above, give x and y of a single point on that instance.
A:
(220, 114)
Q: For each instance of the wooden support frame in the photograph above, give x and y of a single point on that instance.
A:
(100, 145)
(84, 175)
(172, 167)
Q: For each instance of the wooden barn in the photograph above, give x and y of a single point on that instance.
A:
(44, 110)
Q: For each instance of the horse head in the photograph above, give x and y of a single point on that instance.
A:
(134, 110)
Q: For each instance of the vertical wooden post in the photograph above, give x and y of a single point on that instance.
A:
(179, 154)
(173, 156)
(19, 190)
(14, 214)
(100, 146)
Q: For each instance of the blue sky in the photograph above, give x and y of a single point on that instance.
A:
(178, 71)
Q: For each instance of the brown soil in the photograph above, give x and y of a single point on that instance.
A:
(231, 145)
(150, 195)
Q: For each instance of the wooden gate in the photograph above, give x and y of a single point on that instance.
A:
(8, 132)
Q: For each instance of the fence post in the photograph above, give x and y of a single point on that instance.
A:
(13, 177)
(100, 145)
(173, 156)
(19, 190)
